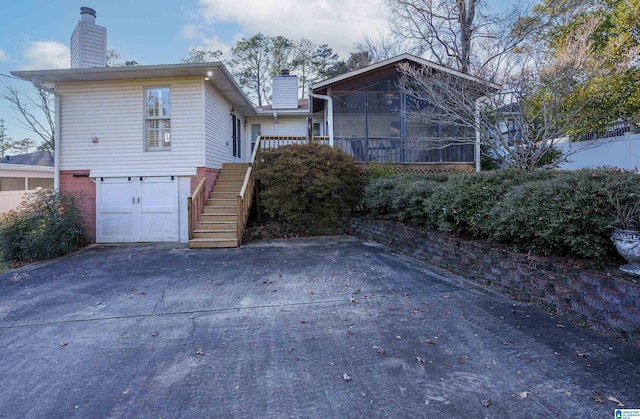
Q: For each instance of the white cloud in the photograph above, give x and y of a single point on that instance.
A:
(338, 23)
(3, 56)
(46, 55)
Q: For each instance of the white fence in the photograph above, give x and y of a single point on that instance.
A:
(11, 199)
(622, 152)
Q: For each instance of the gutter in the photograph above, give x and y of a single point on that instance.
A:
(329, 113)
(56, 132)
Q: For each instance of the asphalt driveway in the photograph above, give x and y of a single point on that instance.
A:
(324, 327)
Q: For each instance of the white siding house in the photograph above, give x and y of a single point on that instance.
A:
(136, 140)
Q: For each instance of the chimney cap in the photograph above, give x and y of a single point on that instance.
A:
(88, 11)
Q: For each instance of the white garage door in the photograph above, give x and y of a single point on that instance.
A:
(137, 209)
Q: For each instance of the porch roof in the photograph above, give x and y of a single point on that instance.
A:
(221, 78)
(323, 86)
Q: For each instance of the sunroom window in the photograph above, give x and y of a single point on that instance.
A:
(157, 118)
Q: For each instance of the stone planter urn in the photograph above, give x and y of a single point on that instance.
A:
(628, 244)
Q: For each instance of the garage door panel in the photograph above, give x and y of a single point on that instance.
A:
(159, 209)
(137, 209)
(115, 210)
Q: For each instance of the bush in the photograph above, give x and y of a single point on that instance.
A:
(467, 199)
(547, 212)
(47, 224)
(309, 187)
(405, 198)
(568, 215)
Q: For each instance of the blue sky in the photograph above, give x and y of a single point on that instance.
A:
(35, 34)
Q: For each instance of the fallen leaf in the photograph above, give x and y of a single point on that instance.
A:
(346, 377)
(420, 360)
(616, 401)
(446, 296)
(380, 351)
(154, 334)
(398, 337)
(486, 403)
(561, 326)
(414, 311)
(352, 300)
(200, 352)
(429, 342)
(582, 354)
(524, 394)
(65, 343)
(598, 399)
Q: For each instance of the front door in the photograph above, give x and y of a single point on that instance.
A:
(137, 209)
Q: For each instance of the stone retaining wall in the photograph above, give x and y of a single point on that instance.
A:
(606, 301)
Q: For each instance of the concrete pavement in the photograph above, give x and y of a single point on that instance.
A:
(320, 327)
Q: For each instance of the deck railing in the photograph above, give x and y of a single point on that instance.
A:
(195, 205)
(388, 150)
(245, 197)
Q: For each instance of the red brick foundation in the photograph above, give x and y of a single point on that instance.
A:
(210, 174)
(81, 184)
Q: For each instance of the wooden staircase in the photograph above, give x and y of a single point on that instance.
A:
(218, 223)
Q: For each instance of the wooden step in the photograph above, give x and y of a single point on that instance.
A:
(215, 234)
(230, 202)
(221, 210)
(229, 183)
(208, 217)
(227, 189)
(212, 243)
(216, 225)
(223, 195)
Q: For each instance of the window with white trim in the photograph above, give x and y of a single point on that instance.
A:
(157, 118)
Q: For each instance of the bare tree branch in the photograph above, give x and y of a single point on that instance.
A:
(34, 111)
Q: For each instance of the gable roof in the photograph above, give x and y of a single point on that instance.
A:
(396, 60)
(38, 158)
(220, 78)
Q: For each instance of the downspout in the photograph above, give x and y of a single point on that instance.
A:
(56, 133)
(329, 113)
(477, 122)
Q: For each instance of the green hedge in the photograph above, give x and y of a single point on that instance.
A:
(564, 213)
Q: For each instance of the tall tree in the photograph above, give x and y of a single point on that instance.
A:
(251, 62)
(357, 60)
(34, 111)
(6, 142)
(459, 34)
(541, 100)
(25, 145)
(303, 63)
(202, 56)
(114, 59)
(282, 51)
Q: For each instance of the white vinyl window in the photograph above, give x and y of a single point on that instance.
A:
(157, 118)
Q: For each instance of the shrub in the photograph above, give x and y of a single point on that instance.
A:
(567, 215)
(47, 224)
(405, 198)
(308, 186)
(548, 212)
(467, 199)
